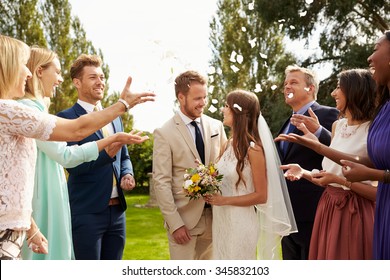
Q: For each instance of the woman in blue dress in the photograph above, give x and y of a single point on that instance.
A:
(378, 149)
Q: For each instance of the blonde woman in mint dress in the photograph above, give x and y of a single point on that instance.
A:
(51, 210)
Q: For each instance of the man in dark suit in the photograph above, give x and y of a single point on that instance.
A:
(96, 188)
(300, 91)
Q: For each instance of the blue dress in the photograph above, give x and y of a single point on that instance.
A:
(378, 145)
(51, 210)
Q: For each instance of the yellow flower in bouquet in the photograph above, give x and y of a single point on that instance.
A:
(201, 181)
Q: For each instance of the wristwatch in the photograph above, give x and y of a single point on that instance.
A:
(124, 102)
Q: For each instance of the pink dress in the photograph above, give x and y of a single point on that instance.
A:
(344, 221)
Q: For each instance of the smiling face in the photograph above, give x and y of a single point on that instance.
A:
(50, 77)
(297, 92)
(194, 101)
(339, 97)
(90, 85)
(379, 61)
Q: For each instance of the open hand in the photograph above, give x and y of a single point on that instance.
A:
(135, 98)
(311, 122)
(294, 171)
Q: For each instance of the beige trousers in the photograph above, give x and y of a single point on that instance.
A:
(199, 247)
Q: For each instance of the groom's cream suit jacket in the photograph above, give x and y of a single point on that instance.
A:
(174, 151)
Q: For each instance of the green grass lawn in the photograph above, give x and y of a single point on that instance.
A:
(146, 238)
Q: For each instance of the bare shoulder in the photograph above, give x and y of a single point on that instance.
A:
(255, 150)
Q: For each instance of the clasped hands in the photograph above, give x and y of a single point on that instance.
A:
(214, 199)
(319, 177)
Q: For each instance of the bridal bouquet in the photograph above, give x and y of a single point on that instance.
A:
(201, 181)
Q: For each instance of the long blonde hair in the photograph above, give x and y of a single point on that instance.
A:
(14, 53)
(40, 58)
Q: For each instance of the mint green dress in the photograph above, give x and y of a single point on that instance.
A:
(51, 210)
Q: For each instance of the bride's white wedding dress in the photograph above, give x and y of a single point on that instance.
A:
(235, 228)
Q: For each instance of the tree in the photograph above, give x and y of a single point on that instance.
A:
(347, 29)
(20, 19)
(248, 53)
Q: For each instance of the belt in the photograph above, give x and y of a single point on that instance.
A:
(114, 201)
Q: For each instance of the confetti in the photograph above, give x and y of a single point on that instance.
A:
(308, 2)
(290, 95)
(211, 70)
(306, 89)
(234, 68)
(212, 109)
(251, 6)
(211, 89)
(214, 101)
(302, 14)
(273, 87)
(258, 88)
(292, 27)
(243, 29)
(315, 171)
(264, 56)
(240, 58)
(252, 43)
(233, 56)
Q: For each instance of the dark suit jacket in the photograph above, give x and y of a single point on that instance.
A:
(90, 183)
(305, 195)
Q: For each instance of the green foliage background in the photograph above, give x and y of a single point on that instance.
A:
(250, 28)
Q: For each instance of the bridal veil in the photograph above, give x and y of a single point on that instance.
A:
(276, 215)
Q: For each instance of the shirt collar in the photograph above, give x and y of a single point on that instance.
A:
(188, 120)
(88, 106)
(305, 108)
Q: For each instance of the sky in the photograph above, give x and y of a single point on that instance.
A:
(155, 40)
(151, 40)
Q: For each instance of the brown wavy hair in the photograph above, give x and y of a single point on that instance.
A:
(360, 93)
(244, 125)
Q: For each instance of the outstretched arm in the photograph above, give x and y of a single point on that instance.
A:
(310, 141)
(77, 129)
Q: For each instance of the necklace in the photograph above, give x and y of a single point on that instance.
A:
(347, 131)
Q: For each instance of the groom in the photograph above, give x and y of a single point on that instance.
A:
(176, 147)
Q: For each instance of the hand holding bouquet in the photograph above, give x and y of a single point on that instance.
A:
(201, 181)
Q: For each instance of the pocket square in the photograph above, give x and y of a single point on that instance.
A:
(214, 135)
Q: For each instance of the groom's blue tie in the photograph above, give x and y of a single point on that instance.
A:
(199, 141)
(289, 130)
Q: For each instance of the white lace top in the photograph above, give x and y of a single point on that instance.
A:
(350, 139)
(18, 124)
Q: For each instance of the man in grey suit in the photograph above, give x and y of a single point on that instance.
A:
(176, 147)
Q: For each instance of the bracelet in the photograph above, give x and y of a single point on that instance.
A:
(32, 236)
(124, 102)
(386, 176)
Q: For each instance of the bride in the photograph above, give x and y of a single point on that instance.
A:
(254, 210)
